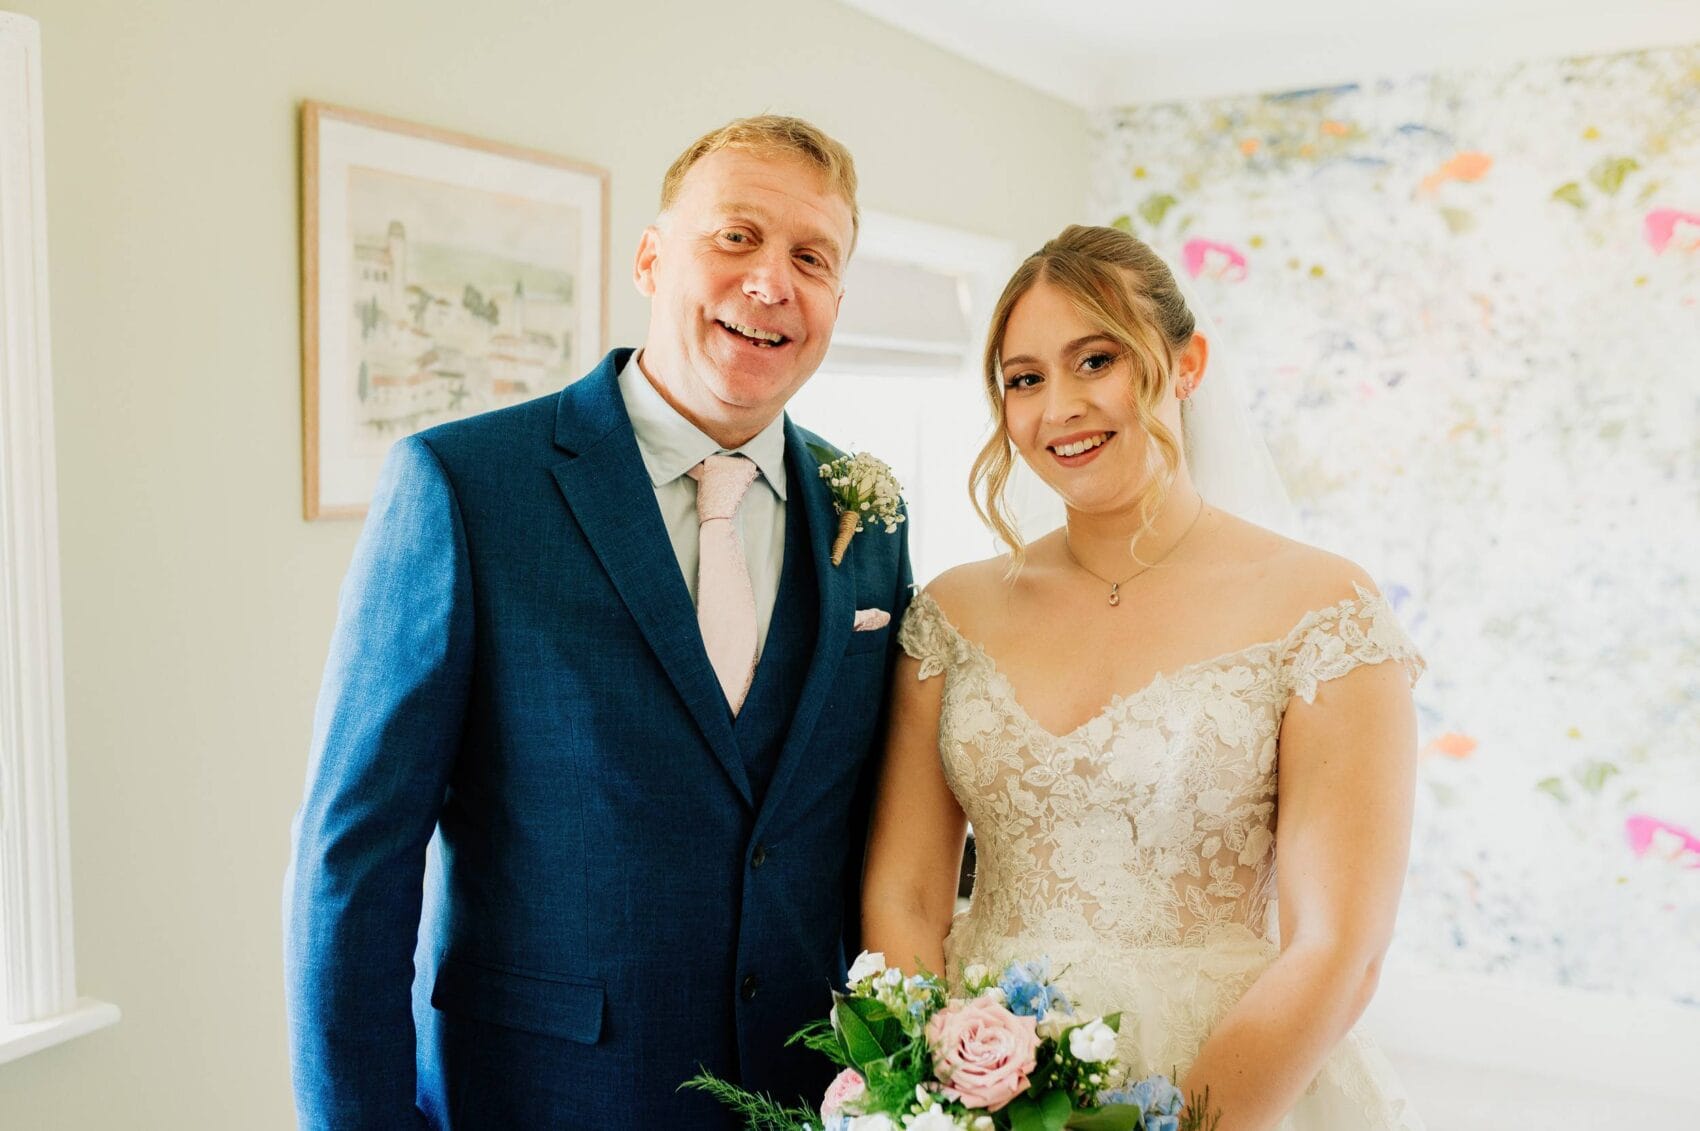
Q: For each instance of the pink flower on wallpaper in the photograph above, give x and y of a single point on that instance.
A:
(1649, 836)
(1218, 260)
(1666, 228)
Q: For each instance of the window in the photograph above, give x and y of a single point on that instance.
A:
(902, 379)
(38, 1001)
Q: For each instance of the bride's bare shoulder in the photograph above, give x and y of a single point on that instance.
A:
(1294, 577)
(964, 591)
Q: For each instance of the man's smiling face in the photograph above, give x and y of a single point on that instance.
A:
(744, 272)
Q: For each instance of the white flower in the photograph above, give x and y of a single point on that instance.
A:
(975, 974)
(934, 1118)
(863, 488)
(867, 964)
(982, 1123)
(893, 976)
(875, 1122)
(1092, 1043)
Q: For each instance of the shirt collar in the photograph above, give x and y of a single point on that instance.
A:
(671, 445)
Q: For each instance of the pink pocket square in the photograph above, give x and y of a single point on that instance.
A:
(869, 619)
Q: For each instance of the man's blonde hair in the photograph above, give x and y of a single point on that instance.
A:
(773, 135)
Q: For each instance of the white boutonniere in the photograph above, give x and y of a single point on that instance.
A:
(863, 490)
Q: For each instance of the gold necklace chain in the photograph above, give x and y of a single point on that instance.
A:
(1115, 586)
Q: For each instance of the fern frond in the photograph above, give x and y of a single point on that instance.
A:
(759, 1112)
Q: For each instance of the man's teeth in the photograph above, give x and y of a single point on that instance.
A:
(1079, 446)
(751, 332)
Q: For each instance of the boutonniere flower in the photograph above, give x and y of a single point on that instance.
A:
(863, 490)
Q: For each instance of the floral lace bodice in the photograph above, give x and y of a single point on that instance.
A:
(1153, 823)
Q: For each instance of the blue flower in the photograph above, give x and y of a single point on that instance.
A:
(1159, 1100)
(923, 985)
(1028, 993)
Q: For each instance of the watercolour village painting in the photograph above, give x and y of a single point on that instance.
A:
(443, 276)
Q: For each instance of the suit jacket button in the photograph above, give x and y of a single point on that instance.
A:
(748, 990)
(759, 857)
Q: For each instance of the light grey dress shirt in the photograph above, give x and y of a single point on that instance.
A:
(671, 446)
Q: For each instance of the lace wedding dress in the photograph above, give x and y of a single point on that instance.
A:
(1138, 850)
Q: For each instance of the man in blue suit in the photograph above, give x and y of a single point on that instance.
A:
(565, 838)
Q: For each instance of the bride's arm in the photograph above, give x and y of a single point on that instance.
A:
(915, 843)
(1347, 779)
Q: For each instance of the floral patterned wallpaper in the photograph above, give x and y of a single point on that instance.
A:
(1468, 308)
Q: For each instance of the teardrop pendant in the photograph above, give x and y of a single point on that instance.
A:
(1115, 593)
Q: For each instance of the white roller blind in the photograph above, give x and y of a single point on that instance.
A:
(901, 318)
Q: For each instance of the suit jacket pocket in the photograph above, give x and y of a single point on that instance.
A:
(556, 1006)
(869, 640)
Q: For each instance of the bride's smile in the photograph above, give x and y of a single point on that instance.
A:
(1080, 408)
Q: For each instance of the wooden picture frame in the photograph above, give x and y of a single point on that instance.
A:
(442, 275)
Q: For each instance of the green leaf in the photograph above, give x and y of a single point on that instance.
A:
(1608, 175)
(1110, 1117)
(1048, 1114)
(1154, 207)
(1555, 787)
(860, 1044)
(1123, 223)
(1458, 221)
(1114, 1021)
(881, 1022)
(1594, 775)
(819, 1036)
(867, 1008)
(1570, 193)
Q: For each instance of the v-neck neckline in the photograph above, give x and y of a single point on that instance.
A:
(1120, 699)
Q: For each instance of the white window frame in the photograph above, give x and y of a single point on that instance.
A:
(39, 1006)
(982, 264)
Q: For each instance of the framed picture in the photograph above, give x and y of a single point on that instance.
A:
(442, 276)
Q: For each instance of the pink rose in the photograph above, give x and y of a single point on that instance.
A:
(848, 1086)
(982, 1052)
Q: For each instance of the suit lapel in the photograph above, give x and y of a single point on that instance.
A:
(837, 589)
(608, 490)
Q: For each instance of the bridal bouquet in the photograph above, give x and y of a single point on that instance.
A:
(1010, 1056)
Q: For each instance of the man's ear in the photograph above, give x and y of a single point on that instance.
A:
(643, 267)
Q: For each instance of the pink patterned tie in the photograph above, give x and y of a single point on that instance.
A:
(726, 605)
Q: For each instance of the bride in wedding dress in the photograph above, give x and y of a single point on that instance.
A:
(1124, 708)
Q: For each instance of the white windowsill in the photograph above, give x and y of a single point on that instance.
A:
(83, 1018)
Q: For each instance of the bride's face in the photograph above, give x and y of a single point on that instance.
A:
(1068, 404)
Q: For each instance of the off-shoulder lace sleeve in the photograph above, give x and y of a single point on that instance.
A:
(927, 636)
(1330, 642)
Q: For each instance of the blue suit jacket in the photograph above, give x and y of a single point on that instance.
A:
(517, 683)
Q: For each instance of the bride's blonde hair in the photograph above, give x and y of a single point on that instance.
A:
(1128, 294)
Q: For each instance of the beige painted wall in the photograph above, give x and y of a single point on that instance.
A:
(198, 604)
